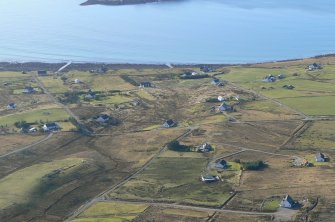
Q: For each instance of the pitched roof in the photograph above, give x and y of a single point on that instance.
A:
(51, 125)
(169, 122)
(289, 199)
(320, 155)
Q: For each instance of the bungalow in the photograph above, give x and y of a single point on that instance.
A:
(210, 179)
(48, 127)
(221, 164)
(314, 66)
(146, 85)
(103, 118)
(169, 123)
(225, 108)
(287, 202)
(269, 78)
(42, 72)
(320, 157)
(28, 90)
(11, 106)
(205, 148)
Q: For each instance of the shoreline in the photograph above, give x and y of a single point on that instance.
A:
(86, 66)
(120, 2)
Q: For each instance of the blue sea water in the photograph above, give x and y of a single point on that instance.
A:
(188, 31)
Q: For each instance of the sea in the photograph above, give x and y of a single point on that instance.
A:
(180, 31)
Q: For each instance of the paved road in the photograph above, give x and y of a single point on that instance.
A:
(28, 146)
(103, 195)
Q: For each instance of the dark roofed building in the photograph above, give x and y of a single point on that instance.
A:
(320, 157)
(169, 123)
(50, 127)
(146, 85)
(287, 202)
(42, 72)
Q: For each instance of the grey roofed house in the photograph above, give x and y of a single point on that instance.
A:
(50, 127)
(28, 90)
(314, 66)
(103, 118)
(146, 85)
(269, 78)
(169, 123)
(11, 106)
(287, 202)
(222, 164)
(320, 157)
(224, 107)
(42, 72)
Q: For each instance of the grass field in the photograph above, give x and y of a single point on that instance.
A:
(32, 116)
(54, 85)
(105, 208)
(109, 219)
(20, 187)
(175, 179)
(271, 205)
(314, 106)
(320, 136)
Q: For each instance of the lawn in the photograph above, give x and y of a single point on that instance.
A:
(110, 82)
(11, 75)
(45, 115)
(319, 136)
(117, 99)
(54, 85)
(271, 205)
(107, 208)
(265, 106)
(20, 186)
(314, 106)
(177, 180)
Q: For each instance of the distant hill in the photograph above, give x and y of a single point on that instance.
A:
(119, 2)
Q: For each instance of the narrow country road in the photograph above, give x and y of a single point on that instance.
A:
(103, 195)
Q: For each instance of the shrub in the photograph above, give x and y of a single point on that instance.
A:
(253, 165)
(176, 146)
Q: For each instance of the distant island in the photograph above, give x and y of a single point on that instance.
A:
(119, 2)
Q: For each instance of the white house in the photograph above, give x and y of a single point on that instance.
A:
(320, 157)
(205, 148)
(287, 202)
(50, 127)
(221, 98)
